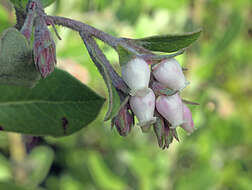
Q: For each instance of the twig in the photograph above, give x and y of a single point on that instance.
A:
(86, 29)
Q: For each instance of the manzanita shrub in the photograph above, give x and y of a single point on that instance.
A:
(42, 100)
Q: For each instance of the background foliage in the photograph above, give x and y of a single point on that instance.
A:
(217, 156)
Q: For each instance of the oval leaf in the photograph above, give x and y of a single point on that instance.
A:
(16, 63)
(168, 43)
(59, 105)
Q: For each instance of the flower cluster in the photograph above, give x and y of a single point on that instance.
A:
(150, 85)
(154, 99)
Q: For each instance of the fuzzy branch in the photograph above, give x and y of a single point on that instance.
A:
(87, 29)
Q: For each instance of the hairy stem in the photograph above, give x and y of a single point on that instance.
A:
(87, 29)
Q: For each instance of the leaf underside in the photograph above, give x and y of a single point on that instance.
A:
(58, 105)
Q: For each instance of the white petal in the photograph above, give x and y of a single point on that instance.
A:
(143, 107)
(170, 107)
(136, 75)
(188, 124)
(170, 74)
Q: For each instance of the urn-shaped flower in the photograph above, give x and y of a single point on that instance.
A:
(136, 74)
(143, 107)
(171, 108)
(170, 74)
(188, 124)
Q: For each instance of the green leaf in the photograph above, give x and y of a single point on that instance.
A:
(114, 102)
(100, 61)
(125, 55)
(40, 160)
(59, 105)
(21, 4)
(168, 43)
(16, 63)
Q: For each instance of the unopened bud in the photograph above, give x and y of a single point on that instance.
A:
(143, 107)
(188, 124)
(123, 121)
(159, 131)
(163, 133)
(171, 108)
(170, 74)
(44, 48)
(136, 74)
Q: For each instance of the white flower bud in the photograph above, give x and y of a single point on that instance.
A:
(170, 74)
(136, 74)
(171, 108)
(188, 124)
(143, 107)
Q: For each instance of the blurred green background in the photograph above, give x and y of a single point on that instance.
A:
(217, 156)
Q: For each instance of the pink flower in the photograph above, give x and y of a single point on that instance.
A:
(188, 124)
(171, 108)
(170, 74)
(136, 74)
(143, 107)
